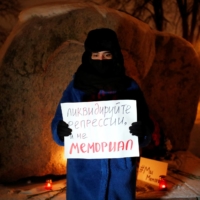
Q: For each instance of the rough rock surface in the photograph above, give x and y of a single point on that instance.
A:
(42, 53)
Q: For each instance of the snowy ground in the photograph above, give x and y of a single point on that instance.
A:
(179, 186)
(27, 190)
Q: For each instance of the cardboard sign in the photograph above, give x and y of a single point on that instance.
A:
(100, 129)
(150, 170)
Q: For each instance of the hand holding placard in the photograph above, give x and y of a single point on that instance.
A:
(63, 130)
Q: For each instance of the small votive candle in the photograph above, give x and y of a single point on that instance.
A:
(48, 185)
(162, 183)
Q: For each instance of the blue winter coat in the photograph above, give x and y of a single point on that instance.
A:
(101, 179)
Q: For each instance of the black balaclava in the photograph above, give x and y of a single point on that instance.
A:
(95, 75)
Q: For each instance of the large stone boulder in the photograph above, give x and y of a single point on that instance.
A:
(40, 57)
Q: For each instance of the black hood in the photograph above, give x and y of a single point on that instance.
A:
(103, 39)
(112, 74)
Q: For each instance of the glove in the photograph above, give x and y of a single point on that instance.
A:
(63, 130)
(136, 128)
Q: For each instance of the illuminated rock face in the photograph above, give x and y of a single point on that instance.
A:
(39, 59)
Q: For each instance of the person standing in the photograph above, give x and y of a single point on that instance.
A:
(101, 77)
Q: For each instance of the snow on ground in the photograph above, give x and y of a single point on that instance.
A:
(179, 186)
(24, 191)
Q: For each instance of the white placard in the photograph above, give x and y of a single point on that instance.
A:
(100, 129)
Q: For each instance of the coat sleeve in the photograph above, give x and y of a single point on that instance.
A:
(144, 117)
(69, 95)
(134, 92)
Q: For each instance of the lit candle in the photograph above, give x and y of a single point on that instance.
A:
(162, 183)
(48, 185)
